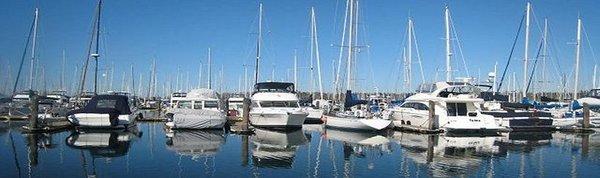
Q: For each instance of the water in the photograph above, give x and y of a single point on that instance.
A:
(311, 152)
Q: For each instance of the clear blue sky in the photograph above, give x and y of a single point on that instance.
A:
(178, 33)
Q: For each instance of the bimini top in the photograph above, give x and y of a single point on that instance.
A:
(106, 104)
(285, 87)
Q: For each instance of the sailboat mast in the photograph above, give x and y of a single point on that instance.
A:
(525, 57)
(258, 43)
(337, 84)
(132, 90)
(350, 47)
(316, 48)
(62, 71)
(545, 57)
(495, 76)
(448, 52)
(577, 58)
(245, 80)
(209, 70)
(409, 55)
(296, 69)
(33, 46)
(594, 77)
(96, 54)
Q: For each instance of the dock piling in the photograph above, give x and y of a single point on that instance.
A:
(246, 116)
(586, 116)
(34, 106)
(432, 125)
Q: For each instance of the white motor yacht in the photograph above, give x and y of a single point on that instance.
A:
(104, 111)
(456, 108)
(198, 110)
(275, 105)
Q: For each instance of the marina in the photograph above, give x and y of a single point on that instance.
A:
(313, 151)
(348, 92)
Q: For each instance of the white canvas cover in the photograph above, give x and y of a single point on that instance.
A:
(198, 119)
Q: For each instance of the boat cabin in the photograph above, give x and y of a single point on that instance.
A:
(196, 99)
(176, 97)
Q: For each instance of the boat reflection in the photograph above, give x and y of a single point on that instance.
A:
(355, 138)
(448, 156)
(105, 143)
(195, 143)
(276, 148)
(370, 146)
(524, 142)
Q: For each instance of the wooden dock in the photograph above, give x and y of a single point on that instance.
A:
(414, 129)
(49, 125)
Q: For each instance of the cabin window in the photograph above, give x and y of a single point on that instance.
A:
(457, 109)
(254, 104)
(106, 104)
(198, 105)
(184, 104)
(417, 106)
(211, 104)
(421, 106)
(279, 104)
(407, 105)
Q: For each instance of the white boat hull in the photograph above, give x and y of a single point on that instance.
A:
(96, 120)
(481, 123)
(313, 114)
(356, 123)
(277, 118)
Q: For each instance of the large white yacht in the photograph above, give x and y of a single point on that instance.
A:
(199, 109)
(456, 107)
(275, 105)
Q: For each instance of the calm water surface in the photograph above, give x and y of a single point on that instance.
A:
(310, 152)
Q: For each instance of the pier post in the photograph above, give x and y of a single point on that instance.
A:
(246, 116)
(33, 117)
(430, 143)
(586, 115)
(432, 125)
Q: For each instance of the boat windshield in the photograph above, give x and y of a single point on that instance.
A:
(426, 88)
(279, 104)
(274, 87)
(106, 103)
(179, 95)
(456, 90)
(184, 104)
(417, 106)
